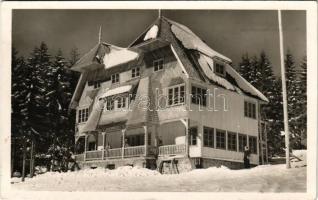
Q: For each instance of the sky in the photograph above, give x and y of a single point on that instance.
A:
(230, 32)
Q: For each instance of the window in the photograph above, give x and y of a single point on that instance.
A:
(193, 135)
(83, 115)
(220, 139)
(231, 141)
(249, 109)
(121, 102)
(138, 140)
(208, 137)
(198, 96)
(242, 142)
(96, 84)
(219, 69)
(110, 104)
(158, 65)
(176, 95)
(135, 72)
(115, 78)
(252, 141)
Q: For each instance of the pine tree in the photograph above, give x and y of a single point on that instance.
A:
(293, 99)
(302, 120)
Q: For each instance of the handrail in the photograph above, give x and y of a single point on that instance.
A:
(172, 149)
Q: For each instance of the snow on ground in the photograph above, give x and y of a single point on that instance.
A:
(266, 178)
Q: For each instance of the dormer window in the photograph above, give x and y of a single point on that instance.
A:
(158, 64)
(135, 72)
(219, 69)
(96, 84)
(115, 78)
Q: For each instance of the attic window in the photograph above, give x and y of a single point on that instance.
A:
(158, 64)
(135, 72)
(115, 78)
(96, 84)
(219, 69)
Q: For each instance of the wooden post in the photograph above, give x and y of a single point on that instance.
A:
(31, 159)
(146, 140)
(187, 137)
(103, 152)
(23, 161)
(85, 147)
(282, 64)
(123, 144)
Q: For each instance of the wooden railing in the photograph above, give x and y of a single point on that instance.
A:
(178, 149)
(134, 151)
(94, 155)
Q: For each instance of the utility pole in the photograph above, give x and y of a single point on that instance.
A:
(282, 64)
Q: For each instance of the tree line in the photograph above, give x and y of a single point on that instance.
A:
(42, 88)
(259, 72)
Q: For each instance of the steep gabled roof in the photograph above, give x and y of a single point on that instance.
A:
(196, 56)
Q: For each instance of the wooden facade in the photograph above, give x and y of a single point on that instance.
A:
(172, 125)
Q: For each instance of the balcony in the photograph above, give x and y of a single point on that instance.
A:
(170, 150)
(129, 152)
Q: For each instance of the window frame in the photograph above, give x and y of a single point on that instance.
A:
(82, 115)
(135, 72)
(253, 147)
(110, 102)
(239, 143)
(156, 66)
(224, 139)
(250, 110)
(208, 137)
(216, 67)
(193, 136)
(96, 84)
(121, 101)
(115, 78)
(202, 99)
(231, 145)
(174, 100)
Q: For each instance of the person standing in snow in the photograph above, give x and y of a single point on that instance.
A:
(246, 157)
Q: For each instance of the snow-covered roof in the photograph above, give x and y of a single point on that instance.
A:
(192, 41)
(118, 56)
(152, 33)
(118, 90)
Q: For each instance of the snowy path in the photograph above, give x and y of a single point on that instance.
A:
(271, 178)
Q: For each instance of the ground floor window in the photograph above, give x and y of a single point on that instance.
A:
(208, 137)
(231, 141)
(252, 141)
(193, 133)
(242, 142)
(220, 139)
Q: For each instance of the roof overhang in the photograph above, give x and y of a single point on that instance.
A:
(151, 45)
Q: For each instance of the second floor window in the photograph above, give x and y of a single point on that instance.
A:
(110, 104)
(115, 78)
(199, 95)
(176, 95)
(249, 109)
(135, 72)
(121, 102)
(158, 65)
(82, 115)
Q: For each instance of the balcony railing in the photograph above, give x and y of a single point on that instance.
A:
(135, 151)
(178, 149)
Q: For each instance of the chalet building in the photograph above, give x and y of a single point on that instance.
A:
(167, 95)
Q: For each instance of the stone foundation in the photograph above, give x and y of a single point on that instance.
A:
(115, 163)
